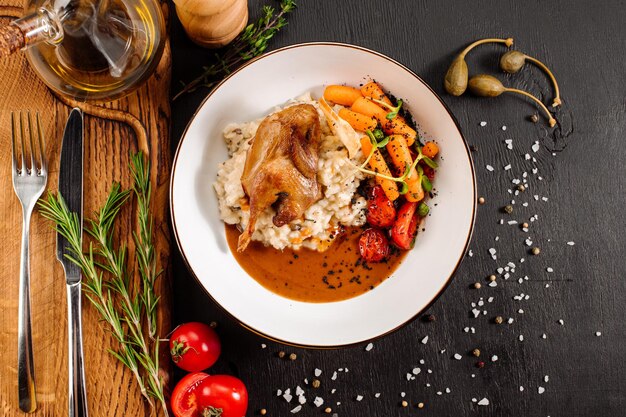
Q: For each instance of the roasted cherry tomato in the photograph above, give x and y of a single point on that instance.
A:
(380, 210)
(199, 395)
(194, 346)
(373, 245)
(405, 228)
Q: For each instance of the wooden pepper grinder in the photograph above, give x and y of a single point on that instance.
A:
(212, 23)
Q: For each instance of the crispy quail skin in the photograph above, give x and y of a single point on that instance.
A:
(281, 167)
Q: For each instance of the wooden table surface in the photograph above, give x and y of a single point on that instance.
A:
(582, 170)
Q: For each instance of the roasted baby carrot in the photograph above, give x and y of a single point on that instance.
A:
(401, 157)
(358, 121)
(430, 149)
(399, 127)
(377, 164)
(371, 109)
(341, 94)
(373, 90)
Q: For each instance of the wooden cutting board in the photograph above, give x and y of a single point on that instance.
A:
(144, 124)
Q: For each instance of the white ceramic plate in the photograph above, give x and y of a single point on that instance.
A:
(250, 93)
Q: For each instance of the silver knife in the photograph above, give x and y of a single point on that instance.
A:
(71, 188)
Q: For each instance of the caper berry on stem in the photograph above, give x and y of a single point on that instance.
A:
(455, 81)
(484, 85)
(513, 61)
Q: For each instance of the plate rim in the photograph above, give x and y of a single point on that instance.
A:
(448, 279)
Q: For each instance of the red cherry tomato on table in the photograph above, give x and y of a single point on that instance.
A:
(373, 245)
(380, 210)
(194, 346)
(405, 228)
(202, 395)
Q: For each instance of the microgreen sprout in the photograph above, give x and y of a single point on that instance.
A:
(393, 111)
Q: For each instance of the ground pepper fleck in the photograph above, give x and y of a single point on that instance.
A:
(508, 209)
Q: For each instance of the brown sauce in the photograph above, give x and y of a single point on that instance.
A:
(311, 276)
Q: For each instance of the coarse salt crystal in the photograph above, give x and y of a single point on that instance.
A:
(334, 377)
(476, 312)
(302, 399)
(279, 393)
(535, 147)
(546, 378)
(489, 168)
(332, 391)
(549, 269)
(511, 222)
(521, 337)
(369, 347)
(544, 336)
(493, 284)
(484, 401)
(296, 409)
(318, 372)
(359, 397)
(492, 251)
(483, 124)
(318, 401)
(425, 340)
(416, 371)
(263, 345)
(510, 320)
(448, 391)
(541, 390)
(299, 391)
(439, 393)
(494, 358)
(403, 394)
(598, 334)
(409, 377)
(521, 388)
(507, 167)
(561, 322)
(503, 127)
(490, 299)
(571, 243)
(520, 311)
(288, 397)
(457, 356)
(377, 395)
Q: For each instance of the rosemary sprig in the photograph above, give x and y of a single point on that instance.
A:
(250, 43)
(122, 308)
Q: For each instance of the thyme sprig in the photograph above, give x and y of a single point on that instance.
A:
(249, 44)
(107, 279)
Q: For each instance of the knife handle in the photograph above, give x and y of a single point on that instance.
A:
(77, 389)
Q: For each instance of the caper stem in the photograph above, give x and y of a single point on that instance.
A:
(557, 98)
(507, 41)
(551, 119)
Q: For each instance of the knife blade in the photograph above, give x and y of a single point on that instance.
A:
(71, 186)
(71, 189)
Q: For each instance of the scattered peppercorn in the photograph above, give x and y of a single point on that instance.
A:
(404, 404)
(293, 356)
(535, 250)
(476, 352)
(420, 405)
(477, 285)
(508, 209)
(263, 411)
(521, 188)
(492, 278)
(281, 354)
(499, 320)
(480, 364)
(481, 200)
(213, 324)
(328, 410)
(316, 383)
(534, 118)
(525, 225)
(429, 318)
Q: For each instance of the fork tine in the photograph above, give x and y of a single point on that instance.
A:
(42, 146)
(33, 167)
(22, 134)
(13, 139)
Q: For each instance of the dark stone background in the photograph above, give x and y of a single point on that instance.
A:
(583, 43)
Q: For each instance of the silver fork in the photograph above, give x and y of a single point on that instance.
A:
(29, 182)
